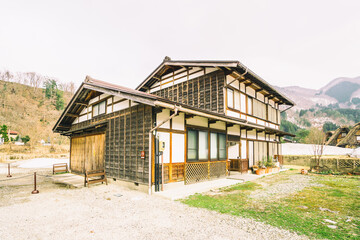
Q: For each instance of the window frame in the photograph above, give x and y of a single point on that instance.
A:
(97, 104)
(208, 132)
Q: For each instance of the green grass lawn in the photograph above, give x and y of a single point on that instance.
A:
(298, 212)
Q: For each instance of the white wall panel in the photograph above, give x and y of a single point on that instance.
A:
(197, 121)
(178, 122)
(178, 148)
(165, 137)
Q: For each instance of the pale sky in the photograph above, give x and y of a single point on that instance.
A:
(303, 43)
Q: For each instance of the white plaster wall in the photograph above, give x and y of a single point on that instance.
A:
(218, 125)
(197, 121)
(121, 105)
(251, 134)
(234, 130)
(165, 137)
(232, 114)
(250, 91)
(109, 110)
(178, 122)
(165, 114)
(178, 148)
(261, 136)
(104, 95)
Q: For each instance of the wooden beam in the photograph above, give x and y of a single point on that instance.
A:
(229, 124)
(72, 115)
(187, 116)
(248, 84)
(212, 121)
(62, 126)
(81, 103)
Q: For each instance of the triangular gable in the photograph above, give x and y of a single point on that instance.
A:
(232, 67)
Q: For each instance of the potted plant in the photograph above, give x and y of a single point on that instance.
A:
(268, 164)
(254, 168)
(261, 169)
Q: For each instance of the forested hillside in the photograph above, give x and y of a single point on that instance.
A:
(32, 109)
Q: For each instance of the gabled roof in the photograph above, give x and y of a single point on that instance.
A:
(169, 65)
(91, 88)
(333, 139)
(350, 139)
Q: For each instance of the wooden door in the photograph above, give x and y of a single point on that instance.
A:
(87, 153)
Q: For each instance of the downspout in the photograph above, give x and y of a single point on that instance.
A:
(176, 108)
(241, 76)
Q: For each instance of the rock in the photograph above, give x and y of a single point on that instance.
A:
(303, 207)
(326, 209)
(330, 221)
(332, 226)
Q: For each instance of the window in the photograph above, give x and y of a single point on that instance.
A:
(197, 145)
(222, 146)
(99, 108)
(230, 98)
(192, 145)
(214, 146)
(242, 103)
(198, 148)
(358, 138)
(203, 145)
(250, 106)
(218, 146)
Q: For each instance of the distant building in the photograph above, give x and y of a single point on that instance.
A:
(352, 139)
(13, 134)
(338, 136)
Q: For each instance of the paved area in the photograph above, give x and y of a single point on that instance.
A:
(174, 191)
(68, 179)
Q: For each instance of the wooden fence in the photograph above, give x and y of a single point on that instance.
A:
(337, 164)
(203, 171)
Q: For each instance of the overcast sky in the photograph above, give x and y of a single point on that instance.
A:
(303, 43)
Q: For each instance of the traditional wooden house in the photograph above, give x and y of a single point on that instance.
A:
(337, 136)
(192, 116)
(352, 139)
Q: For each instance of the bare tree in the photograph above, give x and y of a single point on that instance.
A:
(35, 80)
(72, 87)
(317, 138)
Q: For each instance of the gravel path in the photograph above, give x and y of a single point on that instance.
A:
(293, 184)
(112, 212)
(96, 213)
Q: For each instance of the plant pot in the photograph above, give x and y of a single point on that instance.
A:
(260, 171)
(275, 170)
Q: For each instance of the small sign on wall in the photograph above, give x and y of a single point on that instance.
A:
(142, 154)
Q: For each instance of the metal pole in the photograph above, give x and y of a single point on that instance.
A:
(35, 191)
(9, 175)
(162, 171)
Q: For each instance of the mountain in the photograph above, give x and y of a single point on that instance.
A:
(342, 91)
(27, 110)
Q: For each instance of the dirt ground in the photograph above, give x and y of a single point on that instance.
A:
(112, 212)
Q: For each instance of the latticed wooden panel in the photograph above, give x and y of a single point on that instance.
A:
(349, 163)
(196, 172)
(217, 169)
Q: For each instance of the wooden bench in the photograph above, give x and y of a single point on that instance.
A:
(95, 176)
(60, 168)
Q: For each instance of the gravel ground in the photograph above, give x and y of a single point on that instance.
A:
(114, 212)
(294, 184)
(96, 213)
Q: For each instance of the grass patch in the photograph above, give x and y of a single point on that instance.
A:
(299, 212)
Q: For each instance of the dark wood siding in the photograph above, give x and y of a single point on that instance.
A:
(127, 134)
(205, 92)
